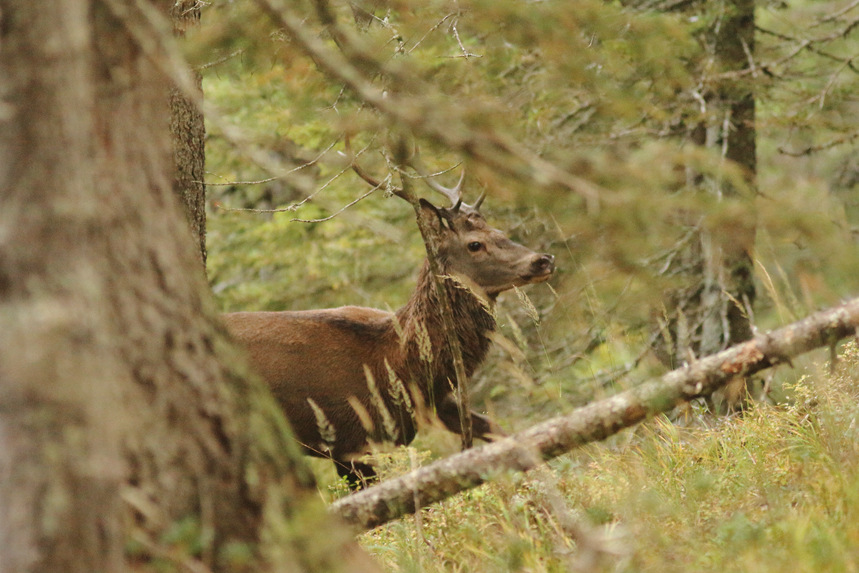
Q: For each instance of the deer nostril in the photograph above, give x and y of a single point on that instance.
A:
(545, 262)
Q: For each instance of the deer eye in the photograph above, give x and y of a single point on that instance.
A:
(475, 246)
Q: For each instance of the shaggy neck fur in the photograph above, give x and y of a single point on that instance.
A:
(473, 317)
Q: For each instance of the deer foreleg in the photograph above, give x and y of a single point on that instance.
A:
(482, 427)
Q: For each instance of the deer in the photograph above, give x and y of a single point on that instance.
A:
(352, 376)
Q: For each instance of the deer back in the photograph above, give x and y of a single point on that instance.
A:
(349, 375)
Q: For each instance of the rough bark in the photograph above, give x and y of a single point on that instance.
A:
(125, 414)
(713, 311)
(596, 421)
(735, 45)
(189, 134)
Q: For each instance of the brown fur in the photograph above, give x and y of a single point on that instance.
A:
(321, 355)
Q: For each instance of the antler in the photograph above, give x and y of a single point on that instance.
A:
(480, 199)
(452, 193)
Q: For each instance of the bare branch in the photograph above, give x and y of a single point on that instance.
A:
(220, 60)
(847, 138)
(809, 44)
(596, 421)
(329, 217)
(465, 53)
(752, 68)
(835, 15)
(295, 206)
(454, 194)
(305, 165)
(422, 113)
(821, 97)
(430, 31)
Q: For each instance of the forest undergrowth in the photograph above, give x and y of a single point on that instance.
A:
(775, 488)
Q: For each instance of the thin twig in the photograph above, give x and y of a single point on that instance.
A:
(420, 113)
(809, 44)
(848, 138)
(220, 61)
(751, 58)
(826, 89)
(290, 172)
(465, 53)
(835, 15)
(425, 175)
(430, 31)
(294, 206)
(328, 218)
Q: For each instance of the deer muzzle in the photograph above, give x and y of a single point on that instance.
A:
(541, 269)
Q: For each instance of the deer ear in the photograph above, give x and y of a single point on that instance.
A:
(435, 216)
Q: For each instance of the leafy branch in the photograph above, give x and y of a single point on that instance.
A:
(421, 111)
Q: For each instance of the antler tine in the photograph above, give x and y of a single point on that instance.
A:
(479, 201)
(452, 193)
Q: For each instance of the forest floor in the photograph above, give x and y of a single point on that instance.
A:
(775, 488)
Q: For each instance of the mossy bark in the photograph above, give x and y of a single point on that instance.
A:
(130, 430)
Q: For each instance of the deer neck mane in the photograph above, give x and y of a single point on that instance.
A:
(473, 316)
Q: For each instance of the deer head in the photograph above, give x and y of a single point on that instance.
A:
(468, 247)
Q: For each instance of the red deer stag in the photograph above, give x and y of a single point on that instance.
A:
(341, 374)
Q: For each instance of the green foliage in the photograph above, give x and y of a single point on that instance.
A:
(270, 263)
(773, 490)
(603, 90)
(594, 94)
(610, 93)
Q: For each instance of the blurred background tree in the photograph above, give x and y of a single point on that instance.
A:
(690, 164)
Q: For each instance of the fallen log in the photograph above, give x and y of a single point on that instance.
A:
(523, 451)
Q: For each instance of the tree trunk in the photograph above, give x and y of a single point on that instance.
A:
(189, 135)
(735, 44)
(130, 432)
(713, 311)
